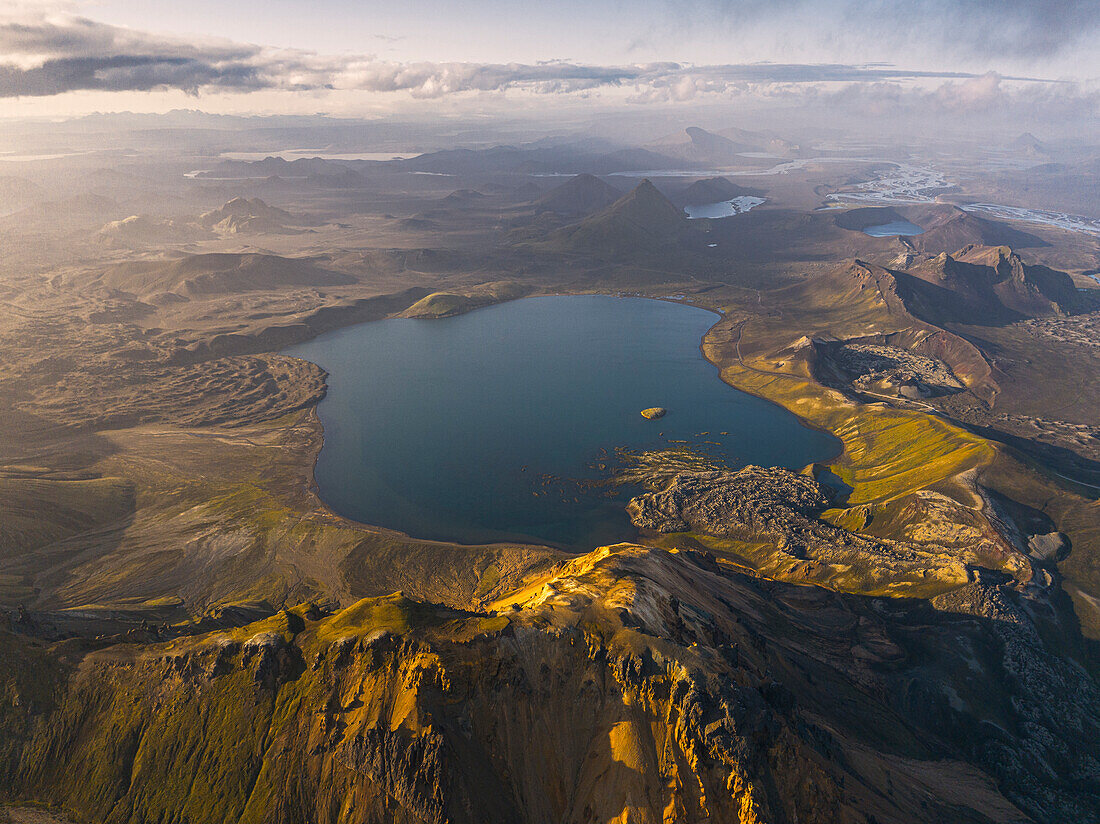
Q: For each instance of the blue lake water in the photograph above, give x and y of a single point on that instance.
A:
(894, 229)
(447, 429)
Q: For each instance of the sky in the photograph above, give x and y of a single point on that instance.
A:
(61, 57)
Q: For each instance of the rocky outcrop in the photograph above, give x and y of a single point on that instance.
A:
(892, 370)
(752, 502)
(984, 285)
(772, 514)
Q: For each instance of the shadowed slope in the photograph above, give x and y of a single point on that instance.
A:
(643, 220)
(581, 195)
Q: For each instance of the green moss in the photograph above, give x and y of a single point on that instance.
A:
(439, 305)
(394, 613)
(887, 453)
(490, 577)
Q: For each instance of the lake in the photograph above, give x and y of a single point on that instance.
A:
(724, 208)
(894, 229)
(476, 428)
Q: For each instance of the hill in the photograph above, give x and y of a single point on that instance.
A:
(462, 197)
(631, 160)
(581, 195)
(714, 190)
(946, 227)
(697, 145)
(723, 147)
(763, 141)
(984, 285)
(642, 220)
(213, 274)
(627, 684)
(241, 215)
(1030, 145)
(142, 230)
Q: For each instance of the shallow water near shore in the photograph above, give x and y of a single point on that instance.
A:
(472, 428)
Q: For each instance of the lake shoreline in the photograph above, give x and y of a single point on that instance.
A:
(744, 401)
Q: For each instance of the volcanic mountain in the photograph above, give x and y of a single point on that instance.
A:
(946, 227)
(983, 284)
(643, 220)
(1030, 145)
(581, 195)
(714, 190)
(243, 215)
(697, 145)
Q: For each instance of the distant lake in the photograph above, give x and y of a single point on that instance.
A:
(724, 208)
(894, 229)
(298, 154)
(474, 428)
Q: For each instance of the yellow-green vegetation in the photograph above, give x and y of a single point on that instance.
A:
(31, 682)
(488, 581)
(446, 304)
(398, 614)
(441, 305)
(36, 513)
(888, 453)
(889, 457)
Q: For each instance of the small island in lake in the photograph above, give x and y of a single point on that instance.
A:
(654, 412)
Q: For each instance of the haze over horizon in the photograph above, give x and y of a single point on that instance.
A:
(926, 59)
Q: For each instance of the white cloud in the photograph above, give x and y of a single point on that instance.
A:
(45, 53)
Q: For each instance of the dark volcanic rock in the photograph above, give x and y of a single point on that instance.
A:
(732, 504)
(779, 508)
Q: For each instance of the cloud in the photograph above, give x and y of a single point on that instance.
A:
(53, 55)
(428, 80)
(43, 55)
(1028, 29)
